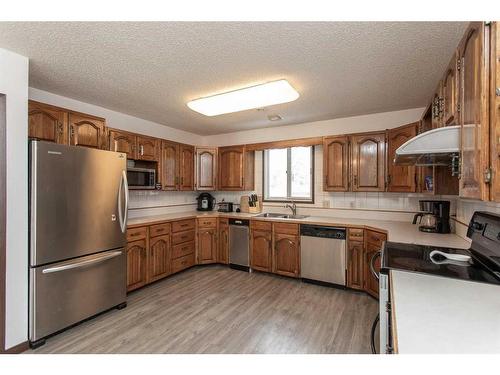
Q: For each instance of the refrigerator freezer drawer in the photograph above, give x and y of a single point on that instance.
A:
(64, 293)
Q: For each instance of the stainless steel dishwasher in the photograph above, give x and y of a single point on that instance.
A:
(322, 254)
(239, 240)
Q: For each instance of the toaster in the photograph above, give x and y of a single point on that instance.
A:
(225, 207)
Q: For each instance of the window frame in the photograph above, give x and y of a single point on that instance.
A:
(289, 178)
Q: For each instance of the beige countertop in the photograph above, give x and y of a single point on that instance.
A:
(397, 231)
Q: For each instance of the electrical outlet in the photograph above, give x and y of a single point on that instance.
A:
(326, 203)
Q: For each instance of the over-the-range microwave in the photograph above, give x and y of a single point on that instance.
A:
(141, 178)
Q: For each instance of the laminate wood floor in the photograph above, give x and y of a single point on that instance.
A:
(215, 309)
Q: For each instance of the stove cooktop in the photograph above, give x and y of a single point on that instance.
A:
(416, 258)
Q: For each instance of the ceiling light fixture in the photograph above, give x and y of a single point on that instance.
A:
(264, 95)
(274, 117)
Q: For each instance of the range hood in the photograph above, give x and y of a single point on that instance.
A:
(434, 147)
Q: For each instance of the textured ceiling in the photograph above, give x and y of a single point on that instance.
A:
(150, 70)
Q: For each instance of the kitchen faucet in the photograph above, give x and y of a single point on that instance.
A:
(292, 207)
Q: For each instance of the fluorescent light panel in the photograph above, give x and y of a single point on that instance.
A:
(259, 96)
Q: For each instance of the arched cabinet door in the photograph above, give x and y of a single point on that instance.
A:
(261, 247)
(147, 148)
(123, 142)
(86, 131)
(231, 168)
(336, 163)
(400, 178)
(206, 169)
(47, 123)
(169, 164)
(137, 264)
(368, 162)
(286, 254)
(159, 257)
(450, 93)
(186, 167)
(207, 246)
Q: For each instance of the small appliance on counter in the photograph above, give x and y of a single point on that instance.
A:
(435, 216)
(225, 206)
(206, 202)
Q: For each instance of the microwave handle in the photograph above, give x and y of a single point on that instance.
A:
(123, 216)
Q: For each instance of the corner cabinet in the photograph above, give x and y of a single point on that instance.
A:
(177, 166)
(336, 163)
(400, 178)
(206, 168)
(355, 259)
(368, 162)
(474, 72)
(236, 168)
(186, 167)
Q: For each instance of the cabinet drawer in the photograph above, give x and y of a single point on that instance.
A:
(286, 228)
(209, 222)
(182, 249)
(178, 226)
(261, 225)
(356, 234)
(182, 263)
(182, 237)
(375, 238)
(159, 229)
(135, 234)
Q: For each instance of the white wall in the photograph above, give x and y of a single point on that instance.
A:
(117, 120)
(14, 84)
(346, 125)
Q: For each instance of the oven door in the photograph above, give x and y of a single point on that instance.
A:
(141, 178)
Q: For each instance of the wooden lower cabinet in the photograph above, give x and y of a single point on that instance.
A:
(261, 249)
(373, 243)
(183, 245)
(223, 243)
(286, 254)
(207, 245)
(355, 264)
(137, 264)
(159, 257)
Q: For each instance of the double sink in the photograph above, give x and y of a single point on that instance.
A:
(282, 216)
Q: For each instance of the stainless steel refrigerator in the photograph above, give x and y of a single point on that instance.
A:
(78, 219)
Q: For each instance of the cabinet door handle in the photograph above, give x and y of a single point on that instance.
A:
(142, 150)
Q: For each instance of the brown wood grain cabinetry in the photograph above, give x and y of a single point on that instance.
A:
(137, 264)
(159, 257)
(495, 111)
(147, 148)
(223, 243)
(474, 116)
(87, 131)
(286, 254)
(336, 163)
(120, 141)
(207, 245)
(437, 106)
(261, 247)
(368, 162)
(236, 168)
(450, 93)
(183, 241)
(373, 243)
(206, 168)
(355, 263)
(186, 167)
(47, 123)
(400, 178)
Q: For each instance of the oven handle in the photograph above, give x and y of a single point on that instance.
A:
(372, 264)
(372, 337)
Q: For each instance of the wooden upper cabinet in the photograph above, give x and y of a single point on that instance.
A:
(437, 106)
(368, 162)
(450, 94)
(169, 164)
(186, 167)
(86, 131)
(336, 163)
(400, 178)
(236, 168)
(120, 141)
(261, 247)
(474, 147)
(495, 112)
(207, 246)
(286, 254)
(206, 168)
(47, 123)
(159, 257)
(147, 148)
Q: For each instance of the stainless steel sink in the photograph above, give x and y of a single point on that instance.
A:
(282, 216)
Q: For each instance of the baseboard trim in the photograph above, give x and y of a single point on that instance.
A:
(19, 348)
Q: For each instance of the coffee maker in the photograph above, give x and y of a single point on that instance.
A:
(435, 216)
(206, 202)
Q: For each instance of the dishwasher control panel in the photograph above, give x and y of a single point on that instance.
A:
(324, 232)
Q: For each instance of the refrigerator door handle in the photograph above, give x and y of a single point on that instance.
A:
(121, 215)
(82, 263)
